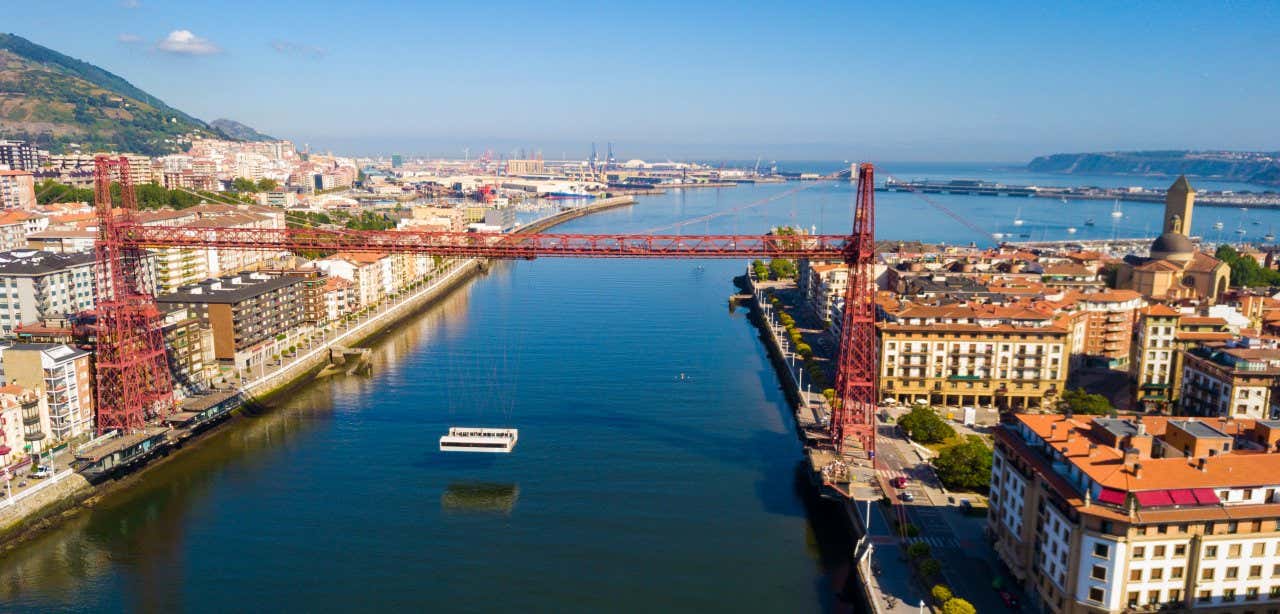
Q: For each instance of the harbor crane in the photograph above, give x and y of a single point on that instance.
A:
(134, 386)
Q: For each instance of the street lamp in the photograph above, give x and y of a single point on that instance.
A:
(921, 606)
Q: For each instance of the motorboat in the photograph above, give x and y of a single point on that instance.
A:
(1071, 230)
(1017, 217)
(476, 439)
(1116, 212)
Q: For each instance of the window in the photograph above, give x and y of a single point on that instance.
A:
(1204, 596)
(1175, 573)
(1101, 550)
(1099, 573)
(1097, 594)
(1251, 592)
(1210, 552)
(1260, 549)
(1139, 552)
(1135, 575)
(1180, 550)
(1175, 595)
(1233, 573)
(1255, 571)
(1233, 551)
(1153, 597)
(1275, 591)
(1228, 594)
(1233, 526)
(1158, 552)
(1133, 599)
(1157, 574)
(1206, 573)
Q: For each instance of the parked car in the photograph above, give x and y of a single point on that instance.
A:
(906, 496)
(899, 482)
(1009, 600)
(41, 472)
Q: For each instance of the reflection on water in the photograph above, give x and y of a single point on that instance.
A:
(480, 497)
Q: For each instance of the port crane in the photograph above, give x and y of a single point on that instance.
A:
(133, 383)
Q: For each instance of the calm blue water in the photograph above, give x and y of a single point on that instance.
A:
(631, 489)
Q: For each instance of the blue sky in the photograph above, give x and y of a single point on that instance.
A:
(924, 81)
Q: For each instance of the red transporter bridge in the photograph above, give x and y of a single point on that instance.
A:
(133, 382)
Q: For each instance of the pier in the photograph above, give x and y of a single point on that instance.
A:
(974, 187)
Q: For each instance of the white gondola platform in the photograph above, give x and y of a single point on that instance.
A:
(474, 439)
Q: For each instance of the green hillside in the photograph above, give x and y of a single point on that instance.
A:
(56, 101)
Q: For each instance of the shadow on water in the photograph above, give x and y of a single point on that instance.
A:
(483, 497)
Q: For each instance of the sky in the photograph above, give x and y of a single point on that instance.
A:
(913, 81)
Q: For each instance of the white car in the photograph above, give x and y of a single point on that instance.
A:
(41, 472)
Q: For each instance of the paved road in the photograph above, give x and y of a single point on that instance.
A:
(956, 540)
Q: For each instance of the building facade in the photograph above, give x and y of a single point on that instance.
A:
(962, 356)
(37, 284)
(1229, 382)
(1107, 515)
(252, 316)
(60, 373)
(17, 190)
(18, 156)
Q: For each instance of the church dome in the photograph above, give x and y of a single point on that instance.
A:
(1171, 246)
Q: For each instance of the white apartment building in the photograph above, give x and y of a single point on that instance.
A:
(36, 284)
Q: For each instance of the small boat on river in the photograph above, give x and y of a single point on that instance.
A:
(474, 439)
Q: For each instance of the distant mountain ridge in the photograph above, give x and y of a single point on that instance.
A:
(54, 100)
(237, 130)
(1253, 167)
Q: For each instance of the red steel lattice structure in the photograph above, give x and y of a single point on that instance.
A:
(123, 238)
(133, 382)
(856, 375)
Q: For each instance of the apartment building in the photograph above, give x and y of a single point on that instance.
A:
(17, 190)
(37, 284)
(1011, 358)
(1108, 326)
(18, 156)
(24, 424)
(824, 285)
(1161, 336)
(371, 275)
(1109, 515)
(251, 315)
(60, 373)
(339, 299)
(16, 224)
(1229, 382)
(188, 342)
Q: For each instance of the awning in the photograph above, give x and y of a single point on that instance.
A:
(1206, 496)
(1182, 497)
(1112, 496)
(1153, 498)
(5, 450)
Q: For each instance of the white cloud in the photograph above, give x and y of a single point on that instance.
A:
(291, 48)
(130, 4)
(129, 39)
(184, 42)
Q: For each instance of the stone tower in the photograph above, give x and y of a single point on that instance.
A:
(1177, 207)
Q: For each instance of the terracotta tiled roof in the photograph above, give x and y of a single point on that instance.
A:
(1159, 309)
(1203, 263)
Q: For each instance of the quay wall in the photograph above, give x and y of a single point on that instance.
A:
(66, 494)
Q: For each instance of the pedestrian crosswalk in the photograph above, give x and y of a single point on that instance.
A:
(935, 542)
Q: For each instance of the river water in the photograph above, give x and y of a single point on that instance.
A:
(656, 469)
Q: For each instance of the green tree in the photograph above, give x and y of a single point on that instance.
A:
(957, 605)
(266, 184)
(941, 594)
(1082, 402)
(923, 425)
(965, 466)
(930, 567)
(760, 269)
(782, 268)
(1245, 271)
(241, 184)
(918, 550)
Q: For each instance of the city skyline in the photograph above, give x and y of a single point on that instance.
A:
(930, 83)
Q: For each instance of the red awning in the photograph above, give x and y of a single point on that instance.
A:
(1153, 498)
(5, 450)
(1206, 496)
(1112, 496)
(1182, 497)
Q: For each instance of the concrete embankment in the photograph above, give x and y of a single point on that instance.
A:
(67, 493)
